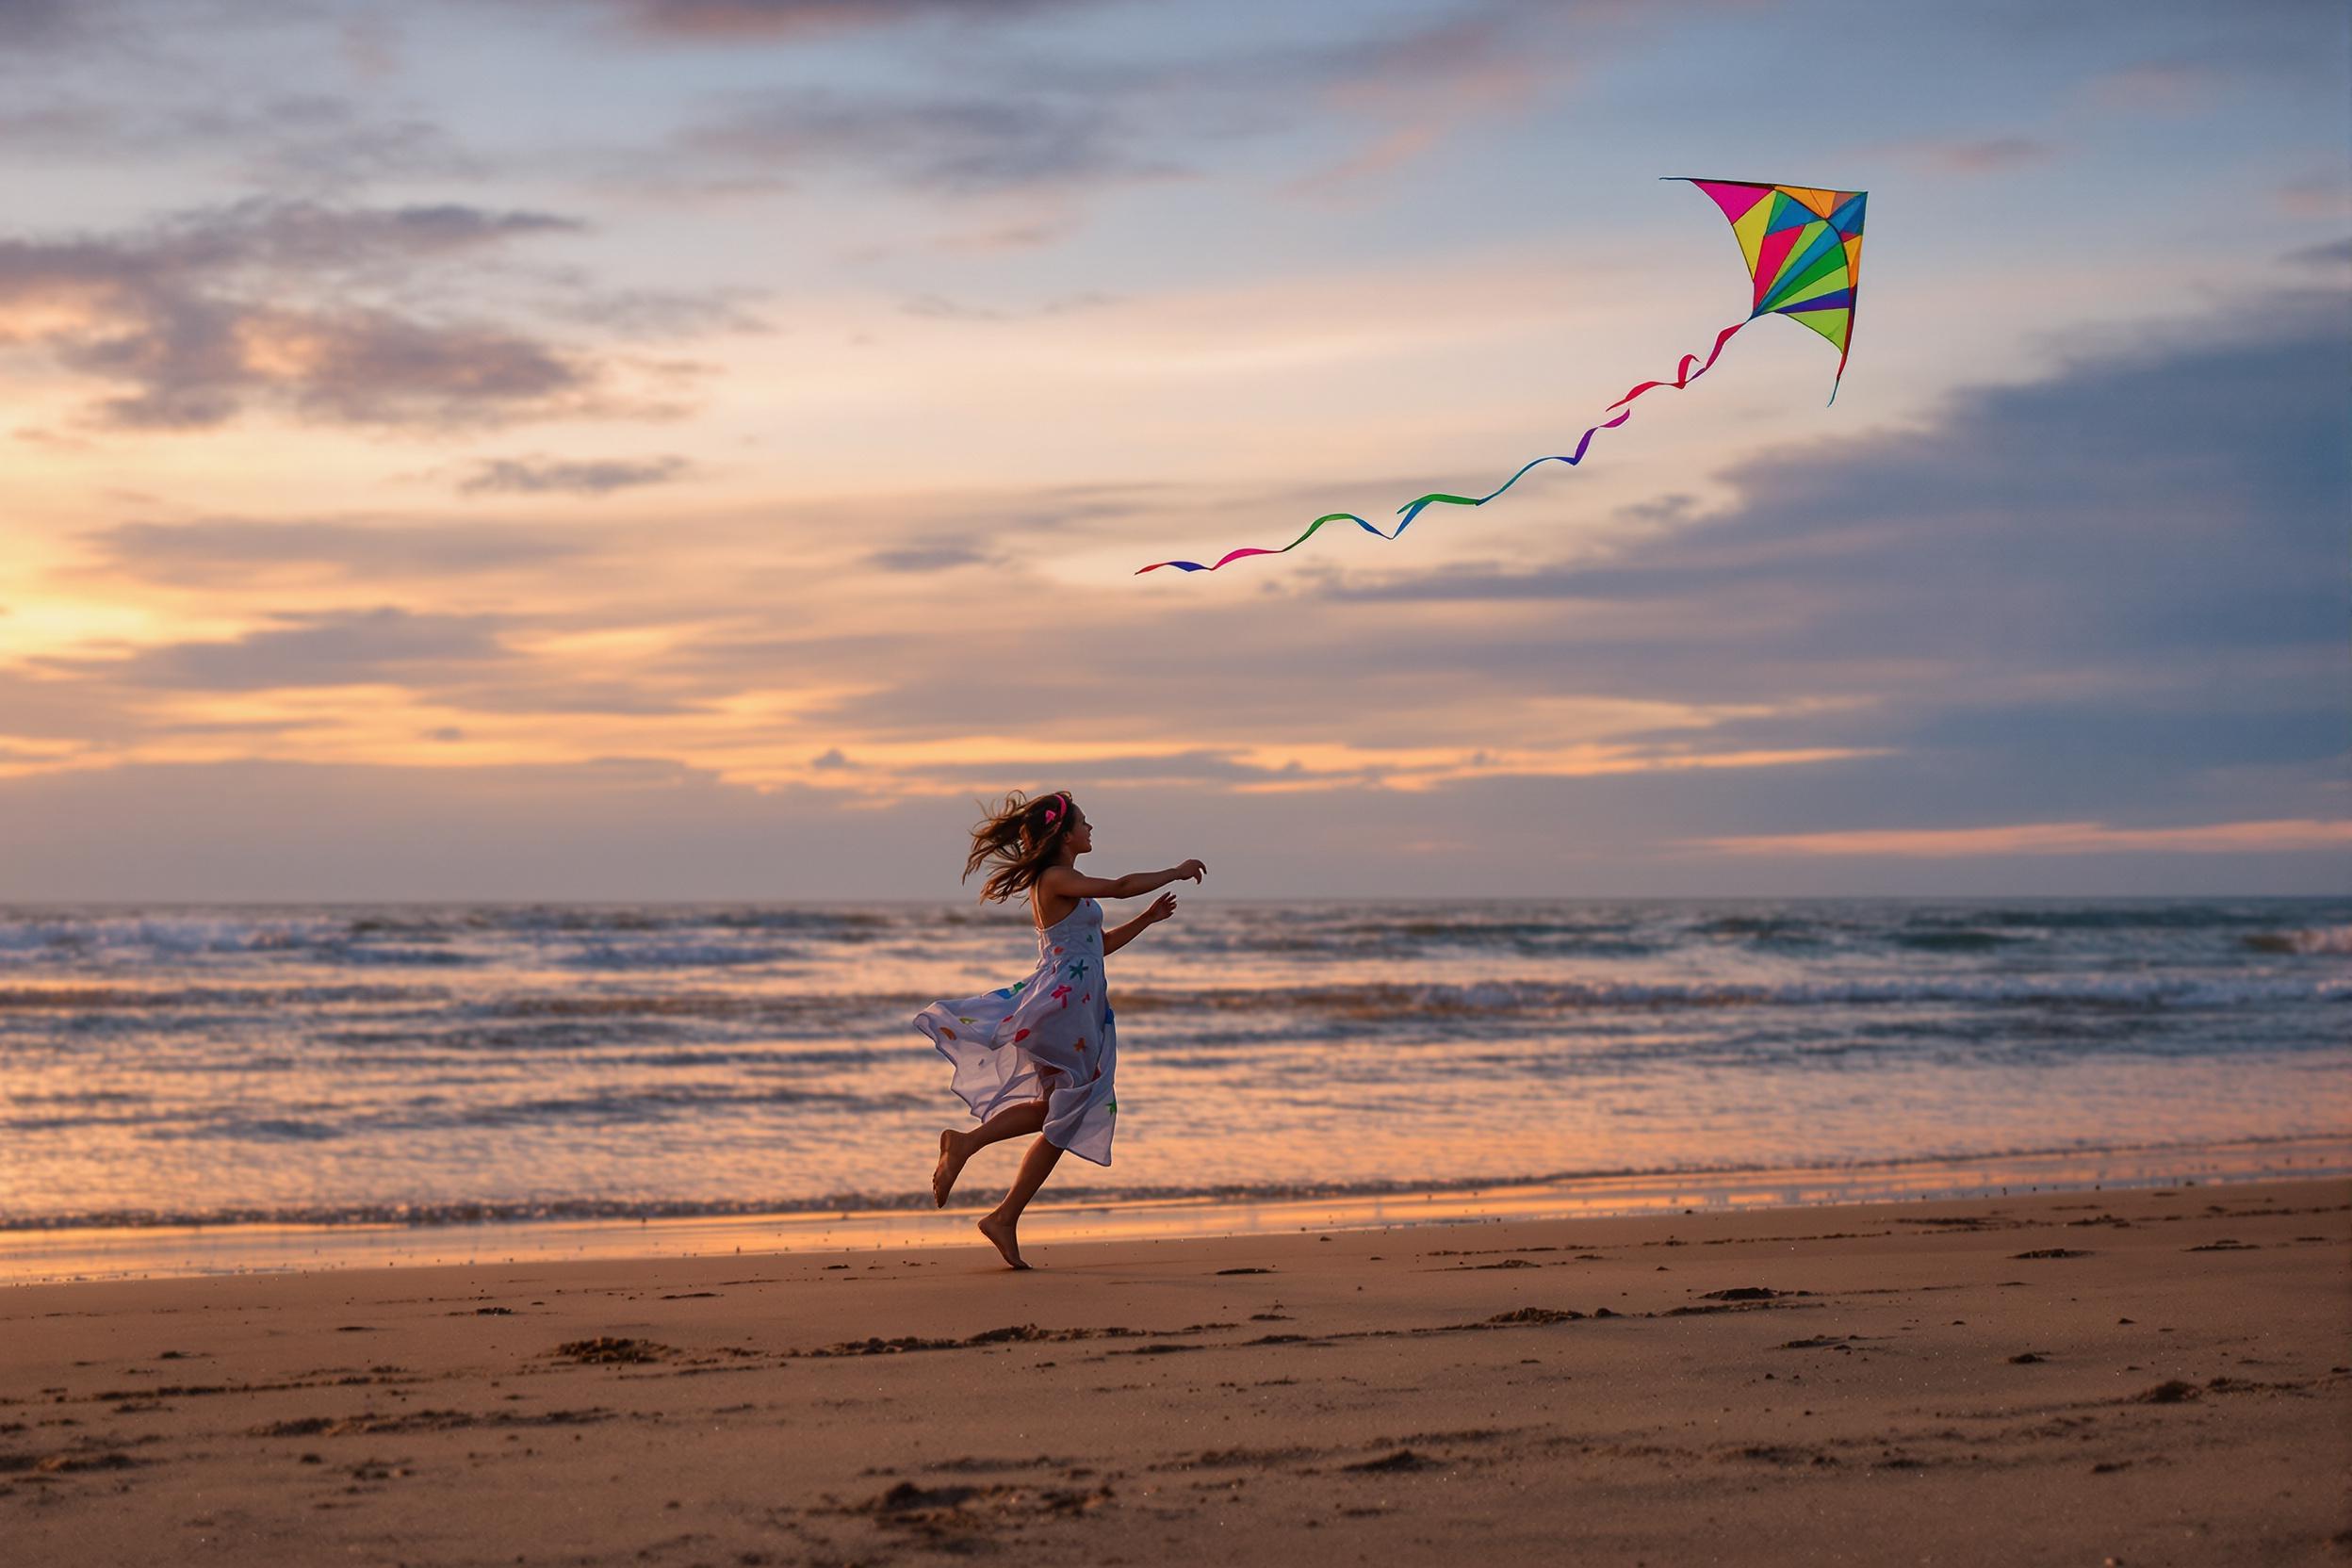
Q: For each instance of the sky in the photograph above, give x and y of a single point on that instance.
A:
(698, 449)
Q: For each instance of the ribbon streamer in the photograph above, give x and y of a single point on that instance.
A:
(1803, 246)
(1684, 376)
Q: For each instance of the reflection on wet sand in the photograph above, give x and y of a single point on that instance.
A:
(111, 1253)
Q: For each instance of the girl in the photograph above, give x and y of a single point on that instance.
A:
(1038, 1056)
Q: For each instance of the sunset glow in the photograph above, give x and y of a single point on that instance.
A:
(504, 403)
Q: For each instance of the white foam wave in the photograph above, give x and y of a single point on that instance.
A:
(1984, 990)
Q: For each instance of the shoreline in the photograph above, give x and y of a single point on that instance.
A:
(2147, 1376)
(34, 1256)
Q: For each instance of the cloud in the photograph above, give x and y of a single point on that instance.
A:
(2051, 838)
(338, 649)
(955, 146)
(2184, 55)
(1414, 90)
(735, 19)
(256, 237)
(28, 21)
(936, 309)
(311, 143)
(1032, 123)
(2111, 597)
(2334, 253)
(57, 126)
(540, 476)
(462, 662)
(2327, 195)
(548, 691)
(1325, 768)
(944, 556)
(308, 141)
(1991, 155)
(2033, 526)
(242, 552)
(303, 234)
(2157, 87)
(207, 312)
(373, 367)
(653, 313)
(2119, 588)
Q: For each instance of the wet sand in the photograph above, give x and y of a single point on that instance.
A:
(2147, 1377)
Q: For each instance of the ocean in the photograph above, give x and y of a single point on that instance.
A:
(338, 1065)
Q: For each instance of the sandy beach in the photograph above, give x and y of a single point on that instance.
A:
(2137, 1377)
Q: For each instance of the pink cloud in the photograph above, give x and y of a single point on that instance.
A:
(1988, 156)
(2157, 87)
(2327, 195)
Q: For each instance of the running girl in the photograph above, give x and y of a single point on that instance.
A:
(1040, 1056)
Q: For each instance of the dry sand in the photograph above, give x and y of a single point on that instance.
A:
(2144, 1377)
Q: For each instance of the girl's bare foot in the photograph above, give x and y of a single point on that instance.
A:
(953, 1154)
(1000, 1231)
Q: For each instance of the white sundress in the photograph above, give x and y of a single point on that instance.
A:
(1049, 1038)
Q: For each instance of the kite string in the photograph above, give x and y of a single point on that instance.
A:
(1684, 376)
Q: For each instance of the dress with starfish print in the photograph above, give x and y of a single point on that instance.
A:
(1048, 1038)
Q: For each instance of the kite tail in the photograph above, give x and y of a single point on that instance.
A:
(1413, 509)
(1237, 555)
(1684, 376)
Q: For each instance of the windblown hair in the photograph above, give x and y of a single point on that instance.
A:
(1018, 844)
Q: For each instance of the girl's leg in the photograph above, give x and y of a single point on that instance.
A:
(956, 1148)
(998, 1226)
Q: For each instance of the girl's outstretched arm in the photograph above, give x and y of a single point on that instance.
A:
(1070, 882)
(1119, 936)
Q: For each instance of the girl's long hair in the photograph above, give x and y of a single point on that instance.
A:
(1018, 844)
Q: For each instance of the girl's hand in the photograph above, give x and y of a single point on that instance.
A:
(1161, 909)
(1193, 869)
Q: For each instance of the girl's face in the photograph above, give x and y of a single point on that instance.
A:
(1080, 831)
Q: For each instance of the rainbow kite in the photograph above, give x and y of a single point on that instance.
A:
(1803, 249)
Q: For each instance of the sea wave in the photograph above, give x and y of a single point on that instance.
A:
(2136, 990)
(1399, 1000)
(610, 956)
(2329, 940)
(1961, 941)
(1372, 1002)
(457, 935)
(40, 937)
(596, 1108)
(656, 938)
(102, 998)
(2121, 915)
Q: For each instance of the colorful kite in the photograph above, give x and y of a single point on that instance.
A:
(1803, 249)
